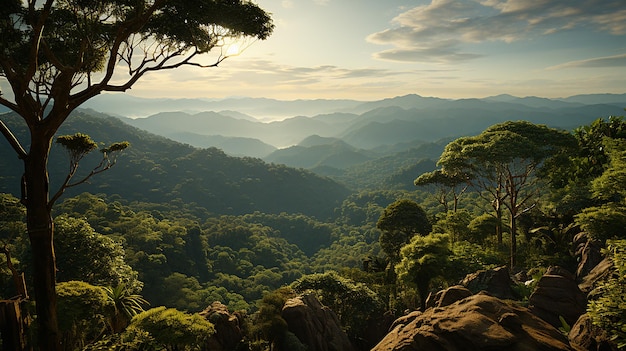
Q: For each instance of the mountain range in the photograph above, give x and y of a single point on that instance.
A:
(357, 144)
(348, 132)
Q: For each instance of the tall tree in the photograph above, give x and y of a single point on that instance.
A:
(503, 161)
(57, 54)
(399, 222)
(422, 260)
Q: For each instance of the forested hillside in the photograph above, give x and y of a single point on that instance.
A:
(156, 169)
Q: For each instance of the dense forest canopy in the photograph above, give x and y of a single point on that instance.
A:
(179, 253)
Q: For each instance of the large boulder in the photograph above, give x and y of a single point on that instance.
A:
(228, 334)
(557, 295)
(588, 254)
(478, 322)
(497, 282)
(447, 296)
(584, 336)
(316, 326)
(601, 272)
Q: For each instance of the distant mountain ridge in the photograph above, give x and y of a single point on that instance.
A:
(264, 109)
(386, 122)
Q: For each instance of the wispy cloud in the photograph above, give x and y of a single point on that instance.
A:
(441, 30)
(598, 62)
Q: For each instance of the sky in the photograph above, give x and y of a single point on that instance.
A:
(376, 49)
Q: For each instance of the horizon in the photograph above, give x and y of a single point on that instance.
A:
(271, 110)
(371, 50)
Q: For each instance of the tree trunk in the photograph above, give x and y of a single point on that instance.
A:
(422, 289)
(498, 209)
(13, 326)
(513, 242)
(40, 232)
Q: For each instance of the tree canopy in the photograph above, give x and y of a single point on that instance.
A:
(503, 162)
(399, 222)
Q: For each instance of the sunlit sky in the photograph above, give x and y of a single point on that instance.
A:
(375, 49)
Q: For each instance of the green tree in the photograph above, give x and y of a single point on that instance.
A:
(125, 304)
(171, 329)
(446, 185)
(12, 228)
(503, 162)
(91, 257)
(422, 260)
(608, 310)
(55, 55)
(268, 322)
(594, 157)
(82, 313)
(455, 224)
(399, 222)
(607, 220)
(354, 303)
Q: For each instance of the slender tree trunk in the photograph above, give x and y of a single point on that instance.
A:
(422, 289)
(498, 210)
(513, 242)
(40, 231)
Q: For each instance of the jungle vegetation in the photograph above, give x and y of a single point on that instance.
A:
(120, 257)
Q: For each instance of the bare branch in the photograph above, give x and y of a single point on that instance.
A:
(21, 153)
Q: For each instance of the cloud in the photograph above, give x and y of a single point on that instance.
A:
(440, 30)
(599, 62)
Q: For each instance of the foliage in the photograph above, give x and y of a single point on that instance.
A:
(608, 311)
(572, 181)
(125, 304)
(189, 257)
(468, 257)
(399, 222)
(456, 224)
(503, 162)
(446, 185)
(77, 145)
(171, 329)
(82, 310)
(91, 257)
(603, 222)
(422, 260)
(610, 185)
(365, 206)
(591, 138)
(268, 322)
(12, 230)
(482, 227)
(56, 55)
(354, 303)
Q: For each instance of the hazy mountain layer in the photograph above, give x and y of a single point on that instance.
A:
(156, 169)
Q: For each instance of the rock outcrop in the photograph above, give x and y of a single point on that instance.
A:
(316, 326)
(228, 334)
(557, 295)
(447, 296)
(476, 323)
(601, 272)
(584, 336)
(497, 282)
(588, 254)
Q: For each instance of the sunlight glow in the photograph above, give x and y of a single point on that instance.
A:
(233, 50)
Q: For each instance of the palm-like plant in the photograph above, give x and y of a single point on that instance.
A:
(126, 305)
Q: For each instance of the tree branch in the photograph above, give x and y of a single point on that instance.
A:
(15, 144)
